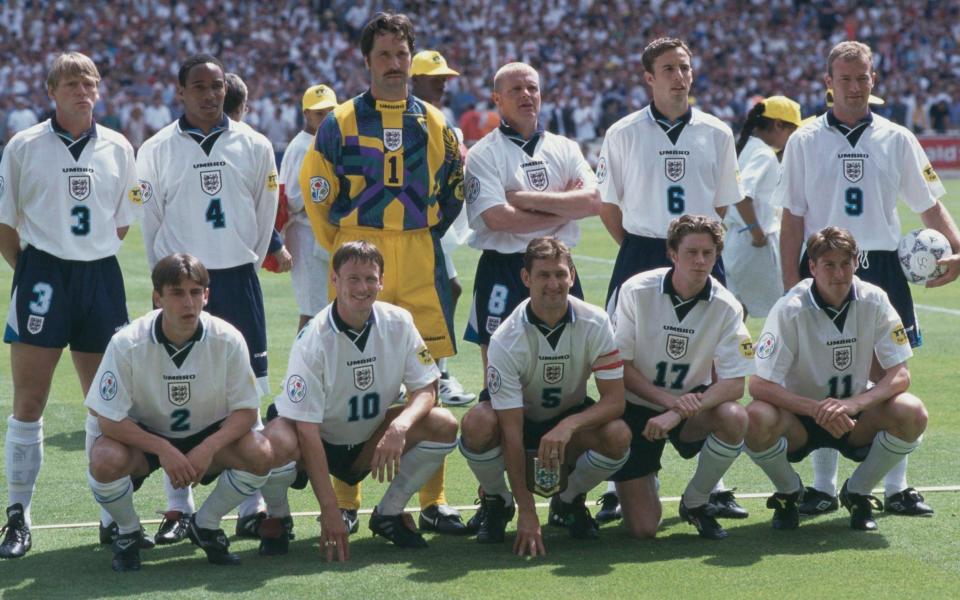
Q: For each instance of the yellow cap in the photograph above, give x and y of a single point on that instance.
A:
(431, 62)
(319, 97)
(874, 100)
(782, 108)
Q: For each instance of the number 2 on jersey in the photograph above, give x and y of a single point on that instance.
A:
(180, 420)
(215, 215)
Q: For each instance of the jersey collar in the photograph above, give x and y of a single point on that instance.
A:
(63, 133)
(358, 337)
(177, 354)
(837, 315)
(851, 133)
(184, 126)
(388, 105)
(527, 145)
(680, 306)
(672, 129)
(551, 333)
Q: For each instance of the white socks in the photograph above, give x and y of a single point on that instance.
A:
(774, 463)
(416, 467)
(715, 458)
(885, 451)
(591, 468)
(23, 453)
(178, 498)
(274, 491)
(116, 497)
(233, 487)
(489, 469)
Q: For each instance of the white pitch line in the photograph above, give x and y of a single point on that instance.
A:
(939, 309)
(471, 507)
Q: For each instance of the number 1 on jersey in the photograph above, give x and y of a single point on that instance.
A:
(393, 168)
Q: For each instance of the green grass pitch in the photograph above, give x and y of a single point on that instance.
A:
(907, 558)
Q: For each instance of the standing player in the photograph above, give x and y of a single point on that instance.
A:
(666, 160)
(386, 169)
(210, 189)
(429, 74)
(541, 358)
(811, 390)
(175, 390)
(335, 414)
(310, 274)
(674, 328)
(751, 252)
(522, 183)
(847, 169)
(68, 192)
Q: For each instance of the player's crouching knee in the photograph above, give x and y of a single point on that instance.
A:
(911, 414)
(480, 429)
(616, 438)
(257, 454)
(762, 419)
(108, 459)
(732, 420)
(443, 425)
(642, 529)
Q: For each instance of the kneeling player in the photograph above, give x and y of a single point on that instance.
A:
(346, 368)
(674, 327)
(811, 389)
(176, 390)
(540, 359)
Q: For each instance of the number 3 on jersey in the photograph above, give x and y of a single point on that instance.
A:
(215, 215)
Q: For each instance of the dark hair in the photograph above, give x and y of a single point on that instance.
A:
(360, 251)
(384, 23)
(546, 248)
(236, 94)
(683, 226)
(173, 269)
(660, 46)
(831, 238)
(755, 120)
(196, 59)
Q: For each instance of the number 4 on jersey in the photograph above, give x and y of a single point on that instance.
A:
(215, 215)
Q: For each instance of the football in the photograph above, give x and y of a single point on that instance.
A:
(919, 252)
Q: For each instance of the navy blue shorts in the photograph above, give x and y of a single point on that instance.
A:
(818, 437)
(236, 297)
(882, 269)
(56, 302)
(638, 254)
(497, 290)
(184, 445)
(533, 431)
(645, 455)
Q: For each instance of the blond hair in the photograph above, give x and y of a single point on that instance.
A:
(849, 51)
(71, 64)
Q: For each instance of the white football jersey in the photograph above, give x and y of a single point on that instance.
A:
(678, 354)
(818, 352)
(544, 370)
(216, 199)
(174, 392)
(290, 184)
(497, 165)
(69, 200)
(759, 176)
(828, 180)
(345, 380)
(655, 180)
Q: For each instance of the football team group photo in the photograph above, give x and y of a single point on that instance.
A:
(485, 262)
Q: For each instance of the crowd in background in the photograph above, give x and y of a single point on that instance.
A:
(588, 54)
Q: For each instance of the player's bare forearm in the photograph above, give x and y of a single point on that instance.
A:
(610, 406)
(635, 381)
(895, 380)
(313, 459)
(572, 204)
(777, 395)
(722, 390)
(130, 434)
(612, 219)
(939, 218)
(234, 427)
(749, 215)
(791, 240)
(509, 219)
(9, 245)
(514, 456)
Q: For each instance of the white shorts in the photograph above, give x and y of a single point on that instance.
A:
(311, 266)
(753, 274)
